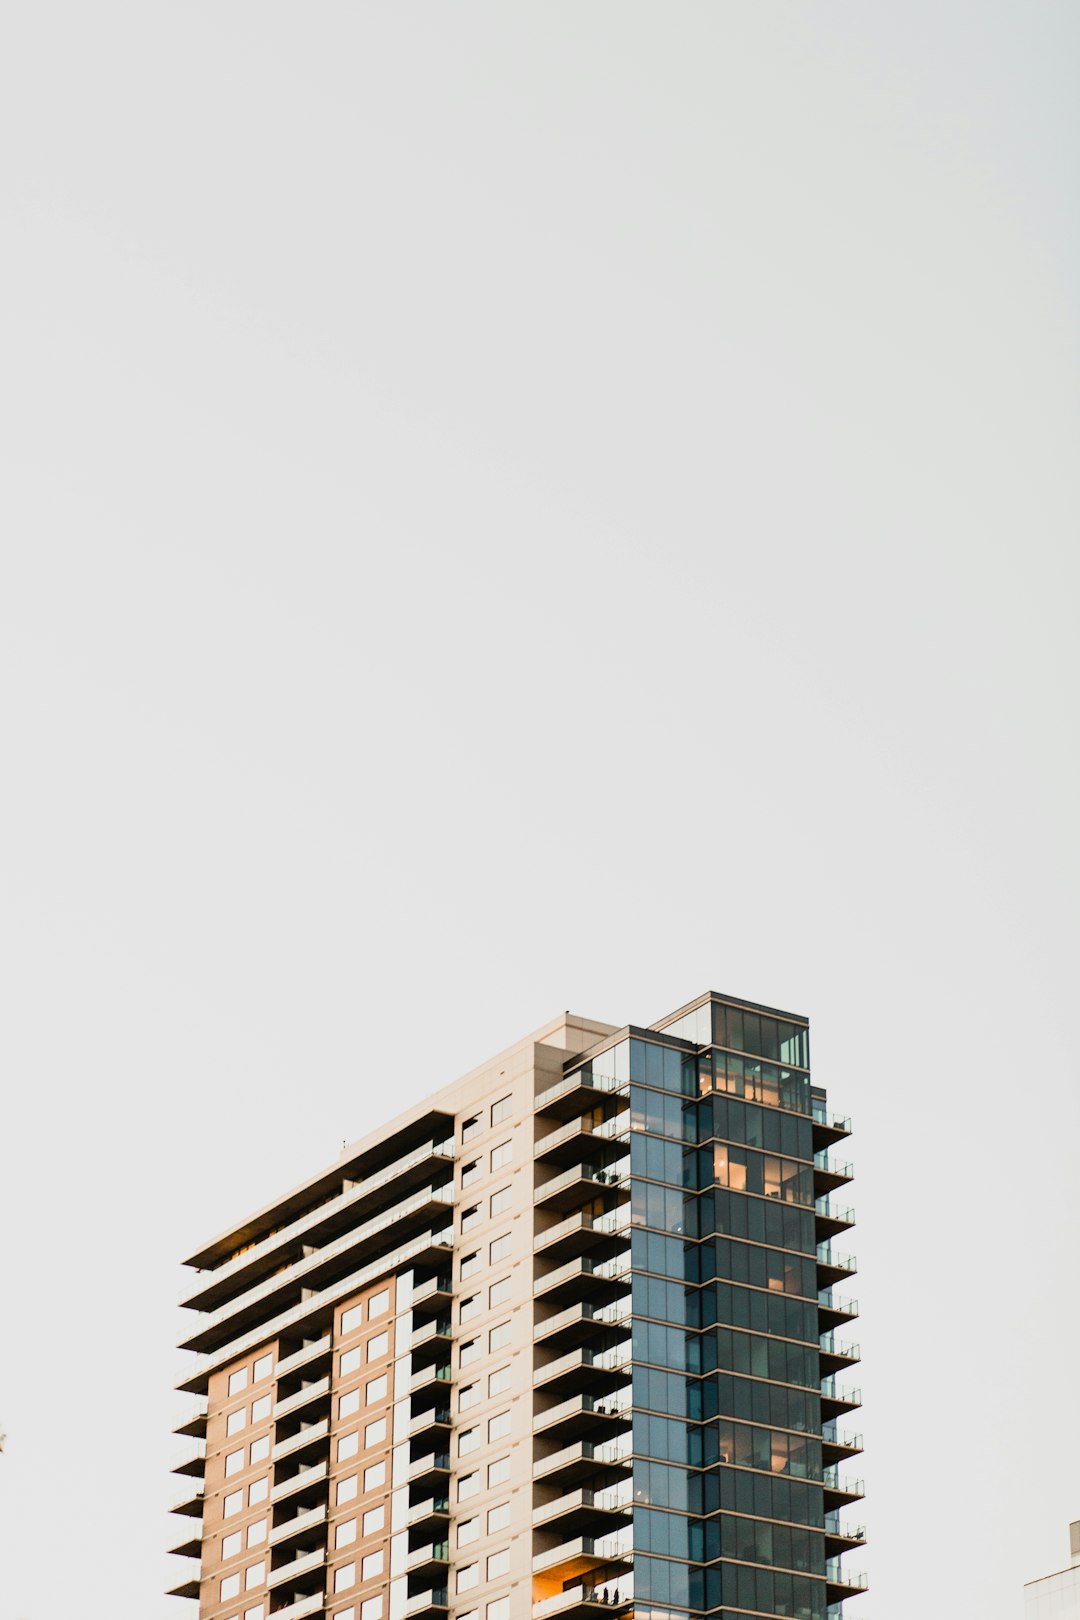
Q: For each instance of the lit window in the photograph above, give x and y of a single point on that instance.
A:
(470, 1349)
(498, 1518)
(231, 1545)
(502, 1109)
(501, 1200)
(258, 1491)
(470, 1217)
(471, 1172)
(238, 1380)
(374, 1476)
(233, 1503)
(498, 1426)
(500, 1248)
(344, 1575)
(256, 1532)
(377, 1389)
(378, 1304)
(468, 1530)
(499, 1610)
(468, 1396)
(230, 1587)
(348, 1404)
(499, 1336)
(346, 1490)
(468, 1440)
(498, 1380)
(264, 1366)
(234, 1462)
(470, 1306)
(498, 1564)
(260, 1449)
(378, 1346)
(500, 1291)
(372, 1608)
(499, 1471)
(375, 1433)
(352, 1318)
(254, 1575)
(468, 1577)
(471, 1127)
(502, 1154)
(345, 1533)
(374, 1519)
(348, 1446)
(470, 1263)
(468, 1485)
(236, 1421)
(348, 1362)
(372, 1566)
(260, 1409)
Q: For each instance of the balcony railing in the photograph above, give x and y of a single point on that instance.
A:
(298, 1567)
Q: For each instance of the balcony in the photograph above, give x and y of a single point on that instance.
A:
(831, 1219)
(834, 1311)
(583, 1555)
(430, 1560)
(308, 1354)
(837, 1399)
(833, 1268)
(836, 1354)
(581, 1232)
(194, 1463)
(840, 1538)
(576, 1464)
(840, 1489)
(844, 1583)
(431, 1515)
(311, 1479)
(188, 1588)
(192, 1423)
(582, 1510)
(569, 1141)
(589, 1370)
(431, 1342)
(585, 1416)
(829, 1174)
(191, 1546)
(582, 1278)
(291, 1529)
(576, 1092)
(308, 1395)
(585, 1602)
(306, 1439)
(432, 1427)
(305, 1564)
(434, 1295)
(431, 1604)
(581, 1182)
(191, 1506)
(433, 1378)
(828, 1128)
(430, 1472)
(579, 1323)
(837, 1445)
(304, 1608)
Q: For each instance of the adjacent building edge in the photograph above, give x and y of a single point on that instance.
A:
(564, 1339)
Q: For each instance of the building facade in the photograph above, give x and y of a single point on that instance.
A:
(1057, 1596)
(564, 1339)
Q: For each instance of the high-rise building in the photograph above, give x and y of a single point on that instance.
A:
(561, 1340)
(1057, 1596)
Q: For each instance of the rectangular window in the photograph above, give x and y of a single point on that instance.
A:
(500, 1291)
(375, 1433)
(351, 1319)
(260, 1449)
(498, 1380)
(348, 1362)
(233, 1503)
(372, 1566)
(378, 1346)
(256, 1533)
(236, 1421)
(499, 1337)
(469, 1351)
(468, 1530)
(234, 1462)
(468, 1396)
(348, 1446)
(260, 1409)
(471, 1127)
(499, 1610)
(372, 1608)
(470, 1306)
(238, 1380)
(470, 1263)
(501, 1200)
(258, 1491)
(348, 1404)
(498, 1564)
(502, 1109)
(499, 1471)
(471, 1172)
(500, 1248)
(378, 1304)
(374, 1519)
(470, 1217)
(468, 1485)
(376, 1390)
(468, 1577)
(498, 1518)
(230, 1587)
(345, 1533)
(231, 1545)
(374, 1476)
(346, 1491)
(468, 1440)
(257, 1613)
(264, 1366)
(344, 1575)
(254, 1575)
(502, 1154)
(499, 1426)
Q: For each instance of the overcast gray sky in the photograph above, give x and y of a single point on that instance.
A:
(512, 507)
